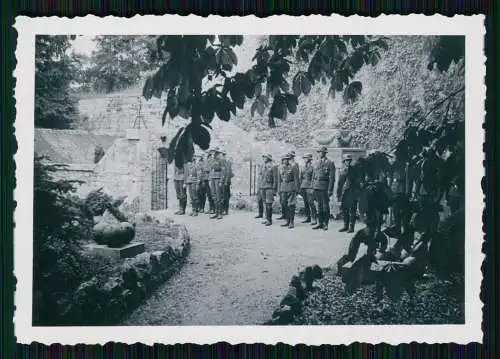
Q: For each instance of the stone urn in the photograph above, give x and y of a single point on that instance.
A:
(327, 137)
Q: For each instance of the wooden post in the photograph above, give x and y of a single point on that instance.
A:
(250, 189)
(255, 179)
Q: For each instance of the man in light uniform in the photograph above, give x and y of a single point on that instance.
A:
(260, 193)
(290, 186)
(323, 181)
(269, 187)
(227, 183)
(282, 197)
(306, 190)
(192, 182)
(180, 189)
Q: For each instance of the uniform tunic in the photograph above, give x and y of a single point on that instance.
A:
(179, 178)
(290, 184)
(217, 176)
(192, 181)
(268, 182)
(306, 189)
(323, 181)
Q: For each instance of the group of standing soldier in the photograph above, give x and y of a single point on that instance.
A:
(205, 180)
(314, 182)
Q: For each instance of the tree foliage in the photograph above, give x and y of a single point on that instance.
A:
(55, 107)
(118, 61)
(197, 74)
(61, 224)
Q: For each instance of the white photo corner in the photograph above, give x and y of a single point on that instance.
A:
(287, 179)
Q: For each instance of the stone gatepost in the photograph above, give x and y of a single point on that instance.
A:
(143, 168)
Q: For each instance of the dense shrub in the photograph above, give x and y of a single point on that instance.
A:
(61, 225)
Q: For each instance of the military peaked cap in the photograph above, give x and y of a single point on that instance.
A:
(308, 156)
(347, 157)
(323, 149)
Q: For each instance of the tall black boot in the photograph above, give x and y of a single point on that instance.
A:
(260, 203)
(182, 207)
(283, 212)
(314, 216)
(292, 217)
(320, 221)
(287, 216)
(269, 214)
(352, 223)
(345, 215)
(216, 211)
(179, 210)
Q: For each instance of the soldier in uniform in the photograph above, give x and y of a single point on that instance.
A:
(192, 182)
(348, 191)
(227, 183)
(323, 182)
(180, 189)
(260, 188)
(269, 187)
(217, 175)
(201, 189)
(284, 214)
(290, 186)
(206, 187)
(306, 190)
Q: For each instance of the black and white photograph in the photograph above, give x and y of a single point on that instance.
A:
(218, 183)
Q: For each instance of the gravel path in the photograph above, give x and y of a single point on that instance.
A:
(238, 270)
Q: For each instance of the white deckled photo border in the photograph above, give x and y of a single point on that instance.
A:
(472, 27)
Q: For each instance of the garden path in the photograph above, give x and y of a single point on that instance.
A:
(238, 270)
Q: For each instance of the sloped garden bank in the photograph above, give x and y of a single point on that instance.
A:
(436, 301)
(110, 288)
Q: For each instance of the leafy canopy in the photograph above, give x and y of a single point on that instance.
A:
(118, 61)
(197, 75)
(55, 107)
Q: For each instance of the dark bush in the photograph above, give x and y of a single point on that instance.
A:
(61, 225)
(97, 202)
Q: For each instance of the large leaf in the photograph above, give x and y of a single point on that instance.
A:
(237, 96)
(305, 84)
(201, 136)
(291, 102)
(173, 145)
(172, 103)
(147, 90)
(232, 56)
(208, 105)
(279, 107)
(184, 90)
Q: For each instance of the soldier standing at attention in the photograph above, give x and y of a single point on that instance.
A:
(260, 189)
(227, 182)
(290, 183)
(206, 173)
(323, 181)
(180, 189)
(306, 190)
(284, 214)
(217, 175)
(269, 187)
(201, 185)
(192, 182)
(348, 191)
